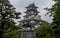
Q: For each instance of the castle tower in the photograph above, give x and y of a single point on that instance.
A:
(30, 20)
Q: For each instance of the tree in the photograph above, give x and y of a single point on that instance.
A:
(12, 33)
(44, 31)
(7, 14)
(55, 12)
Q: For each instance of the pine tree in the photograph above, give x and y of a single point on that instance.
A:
(7, 14)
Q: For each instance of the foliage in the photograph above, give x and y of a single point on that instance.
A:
(43, 30)
(7, 14)
(12, 33)
(46, 31)
(55, 12)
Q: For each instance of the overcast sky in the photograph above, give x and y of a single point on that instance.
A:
(21, 4)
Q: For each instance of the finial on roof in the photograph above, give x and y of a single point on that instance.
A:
(31, 5)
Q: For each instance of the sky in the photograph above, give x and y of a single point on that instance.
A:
(21, 4)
